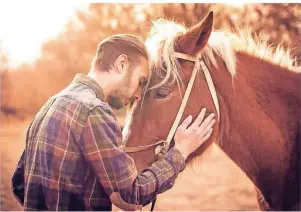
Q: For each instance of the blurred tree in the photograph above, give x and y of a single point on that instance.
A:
(5, 83)
(73, 49)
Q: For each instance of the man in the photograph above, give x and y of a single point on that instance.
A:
(73, 159)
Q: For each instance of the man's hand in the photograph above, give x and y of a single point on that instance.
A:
(188, 139)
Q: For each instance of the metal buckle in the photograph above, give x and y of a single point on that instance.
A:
(158, 149)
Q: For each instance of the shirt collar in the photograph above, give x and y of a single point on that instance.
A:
(84, 79)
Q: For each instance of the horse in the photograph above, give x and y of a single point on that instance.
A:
(258, 92)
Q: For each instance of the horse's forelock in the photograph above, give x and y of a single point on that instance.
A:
(160, 45)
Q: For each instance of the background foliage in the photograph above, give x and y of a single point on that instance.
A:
(25, 88)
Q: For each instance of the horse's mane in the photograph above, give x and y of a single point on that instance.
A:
(163, 34)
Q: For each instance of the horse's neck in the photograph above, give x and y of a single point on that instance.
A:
(259, 121)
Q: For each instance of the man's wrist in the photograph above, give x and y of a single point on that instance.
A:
(184, 155)
(175, 157)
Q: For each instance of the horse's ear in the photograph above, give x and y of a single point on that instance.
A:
(196, 37)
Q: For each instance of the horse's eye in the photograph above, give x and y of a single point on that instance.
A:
(162, 93)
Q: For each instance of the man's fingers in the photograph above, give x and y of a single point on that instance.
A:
(186, 122)
(201, 131)
(198, 119)
(207, 120)
(205, 138)
(210, 125)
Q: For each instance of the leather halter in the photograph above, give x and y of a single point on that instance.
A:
(163, 146)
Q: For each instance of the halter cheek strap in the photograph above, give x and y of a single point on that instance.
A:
(199, 65)
(184, 102)
(207, 74)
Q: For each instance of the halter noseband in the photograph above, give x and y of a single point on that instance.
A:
(163, 146)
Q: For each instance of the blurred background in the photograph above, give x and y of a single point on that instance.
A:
(43, 45)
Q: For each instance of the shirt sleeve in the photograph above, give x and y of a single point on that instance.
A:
(17, 180)
(101, 145)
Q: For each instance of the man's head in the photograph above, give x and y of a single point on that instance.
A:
(124, 59)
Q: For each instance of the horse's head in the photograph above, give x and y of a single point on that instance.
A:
(154, 116)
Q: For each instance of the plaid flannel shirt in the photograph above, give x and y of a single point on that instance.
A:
(73, 158)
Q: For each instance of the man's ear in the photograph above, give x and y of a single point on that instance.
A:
(121, 63)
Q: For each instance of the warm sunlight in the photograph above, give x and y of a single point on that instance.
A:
(237, 4)
(24, 26)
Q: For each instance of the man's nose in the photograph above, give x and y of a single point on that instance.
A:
(138, 94)
(138, 97)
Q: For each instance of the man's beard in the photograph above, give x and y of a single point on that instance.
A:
(116, 101)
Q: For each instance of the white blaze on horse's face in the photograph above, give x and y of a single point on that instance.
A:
(128, 121)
